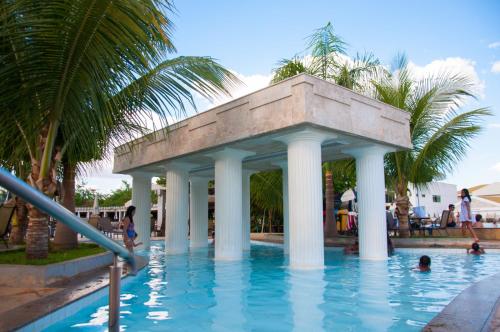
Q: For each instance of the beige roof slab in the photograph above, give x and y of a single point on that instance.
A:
(253, 122)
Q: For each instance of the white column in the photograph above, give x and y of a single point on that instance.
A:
(176, 216)
(305, 198)
(372, 228)
(228, 204)
(198, 211)
(141, 199)
(286, 226)
(161, 208)
(246, 208)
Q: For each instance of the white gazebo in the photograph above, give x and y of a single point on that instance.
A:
(296, 124)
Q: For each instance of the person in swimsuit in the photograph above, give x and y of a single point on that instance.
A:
(129, 234)
(476, 249)
(424, 264)
(466, 215)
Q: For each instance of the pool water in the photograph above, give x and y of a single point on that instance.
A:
(193, 292)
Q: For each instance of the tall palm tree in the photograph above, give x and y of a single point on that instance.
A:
(329, 61)
(69, 65)
(440, 132)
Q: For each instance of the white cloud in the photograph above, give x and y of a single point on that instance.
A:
(454, 65)
(495, 68)
(494, 45)
(496, 167)
(250, 84)
(494, 125)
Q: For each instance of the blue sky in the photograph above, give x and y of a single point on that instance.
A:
(249, 37)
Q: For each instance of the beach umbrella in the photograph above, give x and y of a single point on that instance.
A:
(348, 195)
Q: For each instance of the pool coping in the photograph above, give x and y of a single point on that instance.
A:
(475, 309)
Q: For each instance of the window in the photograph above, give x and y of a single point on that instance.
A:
(436, 198)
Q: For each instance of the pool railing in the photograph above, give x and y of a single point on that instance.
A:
(63, 215)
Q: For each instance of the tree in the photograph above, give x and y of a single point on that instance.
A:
(329, 62)
(440, 132)
(71, 68)
(266, 194)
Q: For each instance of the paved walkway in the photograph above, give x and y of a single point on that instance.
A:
(414, 242)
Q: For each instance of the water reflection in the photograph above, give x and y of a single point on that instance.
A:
(306, 296)
(228, 291)
(375, 312)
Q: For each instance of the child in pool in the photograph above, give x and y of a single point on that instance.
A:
(424, 264)
(475, 249)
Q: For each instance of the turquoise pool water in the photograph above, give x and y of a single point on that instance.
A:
(192, 292)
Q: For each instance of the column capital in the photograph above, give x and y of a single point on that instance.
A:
(309, 134)
(140, 174)
(373, 149)
(230, 153)
(248, 171)
(199, 178)
(179, 166)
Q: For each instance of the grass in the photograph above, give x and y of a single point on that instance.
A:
(55, 256)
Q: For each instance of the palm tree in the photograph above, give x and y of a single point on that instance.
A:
(67, 66)
(440, 132)
(326, 47)
(266, 193)
(329, 61)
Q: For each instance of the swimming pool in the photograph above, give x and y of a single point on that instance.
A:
(193, 292)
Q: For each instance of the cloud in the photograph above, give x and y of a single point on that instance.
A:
(494, 125)
(452, 66)
(494, 45)
(496, 167)
(251, 83)
(495, 68)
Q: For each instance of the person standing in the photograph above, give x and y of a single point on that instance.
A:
(466, 215)
(129, 233)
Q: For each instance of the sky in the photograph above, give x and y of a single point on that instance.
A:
(250, 37)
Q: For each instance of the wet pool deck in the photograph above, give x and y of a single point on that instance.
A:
(475, 309)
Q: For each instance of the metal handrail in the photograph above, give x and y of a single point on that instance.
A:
(60, 213)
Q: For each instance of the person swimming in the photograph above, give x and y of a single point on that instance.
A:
(424, 264)
(475, 249)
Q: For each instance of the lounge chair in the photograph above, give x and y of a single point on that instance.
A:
(6, 213)
(107, 228)
(440, 224)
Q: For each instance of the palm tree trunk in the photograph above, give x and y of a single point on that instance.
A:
(42, 177)
(270, 216)
(263, 221)
(330, 222)
(403, 208)
(65, 237)
(18, 230)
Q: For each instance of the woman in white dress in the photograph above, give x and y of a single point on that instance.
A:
(466, 215)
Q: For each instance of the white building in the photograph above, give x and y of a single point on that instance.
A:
(435, 197)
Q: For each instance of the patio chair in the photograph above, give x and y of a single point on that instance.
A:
(107, 228)
(6, 213)
(442, 225)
